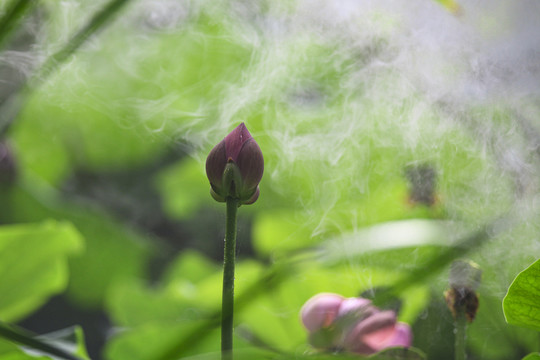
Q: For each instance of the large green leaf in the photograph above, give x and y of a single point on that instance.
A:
(33, 264)
(113, 252)
(390, 236)
(534, 356)
(179, 296)
(184, 187)
(522, 302)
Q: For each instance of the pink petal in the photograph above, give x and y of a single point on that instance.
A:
(320, 311)
(398, 335)
(402, 336)
(379, 339)
(371, 333)
(353, 305)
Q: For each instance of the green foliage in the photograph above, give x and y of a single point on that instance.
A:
(112, 251)
(33, 264)
(184, 180)
(535, 356)
(522, 302)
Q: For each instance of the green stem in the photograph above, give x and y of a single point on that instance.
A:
(460, 332)
(22, 337)
(14, 12)
(227, 302)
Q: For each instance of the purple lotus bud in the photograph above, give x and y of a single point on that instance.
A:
(320, 311)
(235, 167)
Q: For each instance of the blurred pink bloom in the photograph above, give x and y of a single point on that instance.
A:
(320, 311)
(352, 324)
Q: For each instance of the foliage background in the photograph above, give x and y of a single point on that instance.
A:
(105, 212)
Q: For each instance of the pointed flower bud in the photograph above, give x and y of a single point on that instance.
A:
(235, 167)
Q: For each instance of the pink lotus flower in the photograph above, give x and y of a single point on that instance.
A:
(235, 167)
(352, 324)
(320, 311)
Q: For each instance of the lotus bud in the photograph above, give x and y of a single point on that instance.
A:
(235, 167)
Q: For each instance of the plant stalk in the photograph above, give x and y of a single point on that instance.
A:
(227, 302)
(27, 339)
(461, 334)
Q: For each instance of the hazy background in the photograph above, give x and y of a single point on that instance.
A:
(368, 113)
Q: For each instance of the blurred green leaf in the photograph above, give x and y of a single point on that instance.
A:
(184, 187)
(534, 356)
(133, 303)
(405, 234)
(281, 231)
(112, 253)
(399, 354)
(150, 339)
(101, 18)
(33, 264)
(189, 266)
(504, 341)
(251, 353)
(521, 304)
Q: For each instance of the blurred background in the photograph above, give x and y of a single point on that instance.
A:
(391, 131)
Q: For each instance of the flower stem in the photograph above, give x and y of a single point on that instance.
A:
(460, 332)
(227, 302)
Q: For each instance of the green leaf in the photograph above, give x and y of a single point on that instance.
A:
(521, 304)
(533, 356)
(33, 264)
(184, 187)
(113, 252)
(254, 353)
(399, 354)
(281, 231)
(405, 234)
